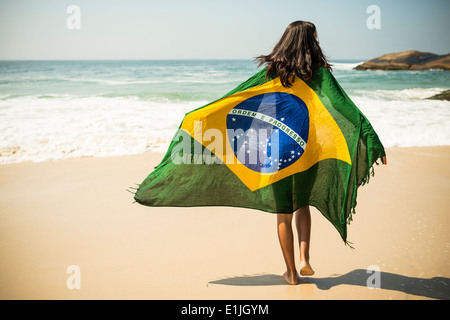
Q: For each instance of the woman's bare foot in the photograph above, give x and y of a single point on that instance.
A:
(306, 269)
(291, 278)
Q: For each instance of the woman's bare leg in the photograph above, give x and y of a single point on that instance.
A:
(303, 224)
(286, 237)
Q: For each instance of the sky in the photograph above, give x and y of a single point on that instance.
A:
(212, 29)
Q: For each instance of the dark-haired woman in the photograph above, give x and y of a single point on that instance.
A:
(297, 53)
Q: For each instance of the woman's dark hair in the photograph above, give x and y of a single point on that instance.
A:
(296, 54)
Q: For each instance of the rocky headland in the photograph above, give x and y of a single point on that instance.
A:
(407, 60)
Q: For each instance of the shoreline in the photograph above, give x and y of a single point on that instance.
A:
(76, 212)
(161, 155)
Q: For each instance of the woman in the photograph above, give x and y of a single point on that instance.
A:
(332, 189)
(296, 54)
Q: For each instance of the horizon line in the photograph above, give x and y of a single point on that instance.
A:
(166, 59)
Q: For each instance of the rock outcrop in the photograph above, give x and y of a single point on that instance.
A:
(444, 95)
(407, 60)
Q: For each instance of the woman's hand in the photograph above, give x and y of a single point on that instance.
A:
(384, 160)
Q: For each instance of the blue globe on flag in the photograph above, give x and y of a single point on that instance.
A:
(268, 132)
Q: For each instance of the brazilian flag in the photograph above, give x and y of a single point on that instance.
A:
(272, 148)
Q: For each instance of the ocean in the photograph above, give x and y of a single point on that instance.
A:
(53, 110)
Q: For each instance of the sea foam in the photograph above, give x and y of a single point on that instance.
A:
(40, 129)
(53, 110)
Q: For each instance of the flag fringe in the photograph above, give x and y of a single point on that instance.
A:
(133, 191)
(365, 180)
(349, 244)
(370, 173)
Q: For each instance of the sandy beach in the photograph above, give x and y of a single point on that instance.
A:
(77, 212)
